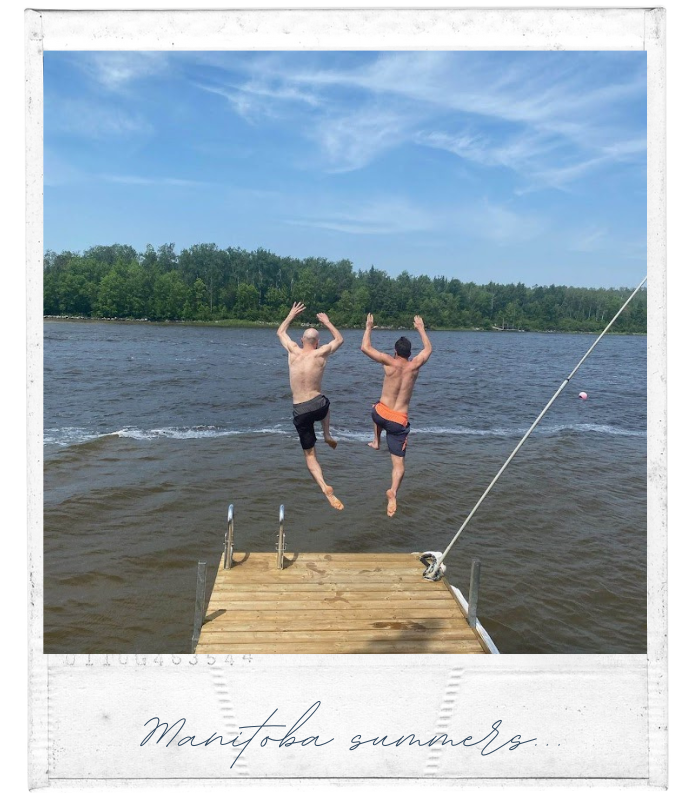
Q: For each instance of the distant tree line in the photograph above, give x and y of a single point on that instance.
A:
(205, 283)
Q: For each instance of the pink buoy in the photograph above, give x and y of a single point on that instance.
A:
(583, 396)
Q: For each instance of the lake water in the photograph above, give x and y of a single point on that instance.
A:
(151, 431)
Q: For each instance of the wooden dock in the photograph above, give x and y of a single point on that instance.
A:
(335, 603)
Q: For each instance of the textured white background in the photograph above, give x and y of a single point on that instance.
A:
(587, 714)
(682, 52)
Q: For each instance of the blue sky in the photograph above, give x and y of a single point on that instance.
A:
(484, 166)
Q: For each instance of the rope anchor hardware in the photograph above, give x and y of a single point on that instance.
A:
(429, 559)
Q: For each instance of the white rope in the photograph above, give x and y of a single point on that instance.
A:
(432, 571)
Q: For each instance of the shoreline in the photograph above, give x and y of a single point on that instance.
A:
(245, 323)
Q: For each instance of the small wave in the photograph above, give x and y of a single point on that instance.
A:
(547, 430)
(66, 437)
(196, 432)
(589, 427)
(438, 431)
(345, 435)
(552, 430)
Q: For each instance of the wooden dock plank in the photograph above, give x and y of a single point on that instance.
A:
(331, 622)
(334, 636)
(300, 586)
(333, 613)
(300, 595)
(343, 648)
(321, 575)
(310, 605)
(332, 603)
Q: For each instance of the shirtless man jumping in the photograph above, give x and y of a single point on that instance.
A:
(390, 414)
(306, 366)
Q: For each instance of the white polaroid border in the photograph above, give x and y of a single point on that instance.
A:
(593, 718)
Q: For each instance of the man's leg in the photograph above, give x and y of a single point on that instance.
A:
(374, 444)
(397, 472)
(315, 469)
(326, 425)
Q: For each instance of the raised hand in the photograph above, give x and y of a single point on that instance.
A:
(370, 322)
(418, 322)
(323, 318)
(297, 308)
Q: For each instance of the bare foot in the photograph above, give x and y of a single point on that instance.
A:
(332, 499)
(391, 503)
(374, 444)
(330, 442)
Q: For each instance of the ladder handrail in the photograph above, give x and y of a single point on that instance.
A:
(199, 602)
(280, 541)
(228, 541)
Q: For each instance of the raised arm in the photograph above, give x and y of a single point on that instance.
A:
(284, 338)
(366, 346)
(331, 347)
(424, 354)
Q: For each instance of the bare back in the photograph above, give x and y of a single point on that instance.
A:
(400, 374)
(399, 379)
(306, 367)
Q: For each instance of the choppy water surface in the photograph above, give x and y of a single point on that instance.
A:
(152, 430)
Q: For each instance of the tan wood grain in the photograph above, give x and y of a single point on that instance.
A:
(332, 603)
(346, 647)
(332, 622)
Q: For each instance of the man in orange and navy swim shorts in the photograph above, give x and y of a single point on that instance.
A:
(390, 414)
(396, 425)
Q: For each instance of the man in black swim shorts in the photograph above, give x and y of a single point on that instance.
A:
(306, 414)
(306, 366)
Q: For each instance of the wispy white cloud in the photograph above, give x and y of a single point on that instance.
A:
(482, 220)
(281, 92)
(254, 100)
(523, 153)
(115, 71)
(97, 120)
(562, 176)
(626, 148)
(240, 104)
(590, 239)
(375, 217)
(352, 141)
(500, 224)
(140, 180)
(543, 160)
(550, 126)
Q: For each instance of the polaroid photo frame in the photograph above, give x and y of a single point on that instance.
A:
(566, 720)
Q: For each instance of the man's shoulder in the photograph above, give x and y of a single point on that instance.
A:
(322, 352)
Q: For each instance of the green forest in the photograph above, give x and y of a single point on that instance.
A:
(204, 283)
